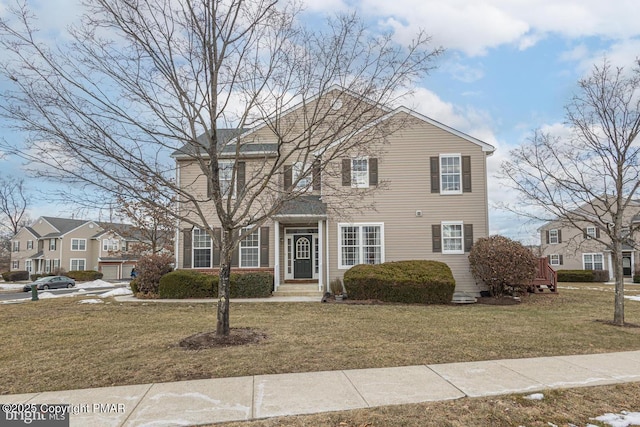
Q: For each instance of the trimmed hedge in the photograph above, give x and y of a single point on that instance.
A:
(636, 278)
(583, 275)
(84, 275)
(15, 276)
(422, 282)
(193, 284)
(35, 277)
(600, 275)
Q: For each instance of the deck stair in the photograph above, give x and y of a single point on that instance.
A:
(546, 278)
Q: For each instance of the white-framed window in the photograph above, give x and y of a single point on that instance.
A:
(29, 244)
(15, 265)
(16, 246)
(593, 261)
(52, 244)
(554, 259)
(56, 264)
(78, 264)
(28, 265)
(452, 237)
(553, 236)
(360, 172)
(450, 174)
(78, 244)
(591, 232)
(302, 171)
(47, 265)
(250, 250)
(201, 249)
(110, 245)
(360, 244)
(226, 176)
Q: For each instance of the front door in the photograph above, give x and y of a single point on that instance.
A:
(626, 265)
(302, 259)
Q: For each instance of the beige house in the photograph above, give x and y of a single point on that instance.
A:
(51, 245)
(568, 247)
(423, 196)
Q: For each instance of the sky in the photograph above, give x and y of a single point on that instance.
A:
(509, 67)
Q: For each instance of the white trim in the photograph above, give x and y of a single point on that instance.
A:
(320, 261)
(354, 183)
(287, 256)
(557, 236)
(452, 252)
(361, 245)
(79, 240)
(593, 262)
(254, 230)
(193, 249)
(591, 235)
(276, 261)
(557, 258)
(440, 172)
(77, 259)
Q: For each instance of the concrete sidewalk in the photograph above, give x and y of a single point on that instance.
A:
(263, 396)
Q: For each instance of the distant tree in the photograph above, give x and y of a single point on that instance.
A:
(5, 251)
(591, 177)
(13, 204)
(140, 79)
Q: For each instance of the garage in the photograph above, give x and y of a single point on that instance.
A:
(126, 270)
(110, 272)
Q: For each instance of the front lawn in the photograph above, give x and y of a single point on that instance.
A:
(60, 344)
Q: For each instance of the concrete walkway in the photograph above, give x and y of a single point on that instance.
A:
(263, 396)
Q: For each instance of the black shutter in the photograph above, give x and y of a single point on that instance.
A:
(559, 236)
(436, 237)
(597, 233)
(241, 178)
(435, 174)
(208, 186)
(264, 247)
(466, 174)
(584, 233)
(547, 236)
(235, 253)
(217, 241)
(560, 259)
(187, 245)
(373, 171)
(316, 176)
(468, 237)
(288, 177)
(346, 172)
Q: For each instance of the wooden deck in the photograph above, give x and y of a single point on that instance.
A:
(546, 278)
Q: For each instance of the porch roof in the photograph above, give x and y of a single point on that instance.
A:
(303, 207)
(39, 255)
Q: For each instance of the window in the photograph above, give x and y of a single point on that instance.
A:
(553, 237)
(29, 244)
(226, 175)
(592, 261)
(28, 266)
(56, 265)
(52, 244)
(110, 245)
(554, 259)
(360, 244)
(47, 266)
(452, 238)
(301, 171)
(591, 232)
(360, 172)
(16, 246)
(78, 264)
(78, 244)
(450, 174)
(201, 249)
(250, 250)
(15, 265)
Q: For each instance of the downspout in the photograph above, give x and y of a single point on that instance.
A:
(176, 239)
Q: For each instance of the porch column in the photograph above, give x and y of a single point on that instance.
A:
(276, 262)
(611, 272)
(320, 263)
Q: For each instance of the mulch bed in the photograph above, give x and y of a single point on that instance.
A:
(237, 336)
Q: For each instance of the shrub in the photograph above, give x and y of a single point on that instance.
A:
(423, 282)
(187, 284)
(575, 276)
(600, 275)
(84, 275)
(502, 264)
(250, 285)
(134, 286)
(336, 286)
(636, 278)
(151, 268)
(14, 276)
(35, 277)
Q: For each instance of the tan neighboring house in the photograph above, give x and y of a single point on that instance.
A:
(431, 204)
(60, 244)
(569, 248)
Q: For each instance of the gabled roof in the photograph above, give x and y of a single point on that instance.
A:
(224, 137)
(306, 205)
(63, 225)
(126, 231)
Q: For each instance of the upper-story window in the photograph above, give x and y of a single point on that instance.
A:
(29, 244)
(110, 245)
(16, 246)
(78, 244)
(590, 233)
(52, 244)
(554, 236)
(360, 172)
(450, 174)
(302, 175)
(226, 176)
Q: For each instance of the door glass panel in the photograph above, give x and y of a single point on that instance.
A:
(303, 248)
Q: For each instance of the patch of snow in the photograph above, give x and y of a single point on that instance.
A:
(535, 396)
(45, 295)
(633, 298)
(11, 286)
(91, 301)
(116, 292)
(94, 284)
(623, 419)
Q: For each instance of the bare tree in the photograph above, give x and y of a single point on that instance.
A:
(13, 204)
(592, 176)
(142, 79)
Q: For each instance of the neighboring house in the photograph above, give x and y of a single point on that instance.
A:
(569, 248)
(431, 204)
(59, 244)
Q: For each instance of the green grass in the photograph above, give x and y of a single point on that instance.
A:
(59, 344)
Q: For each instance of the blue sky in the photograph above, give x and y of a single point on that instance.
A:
(509, 67)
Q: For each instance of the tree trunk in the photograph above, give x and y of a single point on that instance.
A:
(222, 326)
(618, 313)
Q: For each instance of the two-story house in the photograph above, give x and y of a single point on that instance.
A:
(575, 247)
(425, 197)
(60, 244)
